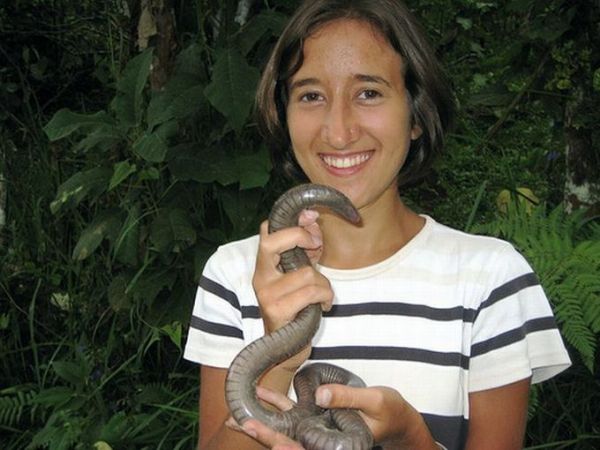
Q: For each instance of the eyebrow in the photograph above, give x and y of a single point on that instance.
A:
(372, 79)
(359, 77)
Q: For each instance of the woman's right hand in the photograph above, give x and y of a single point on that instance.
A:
(282, 295)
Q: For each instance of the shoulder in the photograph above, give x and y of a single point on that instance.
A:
(236, 254)
(232, 264)
(471, 250)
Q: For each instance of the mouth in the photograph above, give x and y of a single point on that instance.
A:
(346, 161)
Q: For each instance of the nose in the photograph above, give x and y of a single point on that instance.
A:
(340, 127)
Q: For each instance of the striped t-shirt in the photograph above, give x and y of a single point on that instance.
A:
(448, 314)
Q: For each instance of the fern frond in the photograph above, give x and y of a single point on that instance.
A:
(13, 403)
(570, 315)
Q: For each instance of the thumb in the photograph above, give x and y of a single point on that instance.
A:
(339, 396)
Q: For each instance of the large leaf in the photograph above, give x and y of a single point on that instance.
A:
(106, 225)
(153, 146)
(232, 88)
(265, 23)
(127, 243)
(172, 230)
(241, 208)
(148, 285)
(79, 186)
(122, 170)
(117, 294)
(127, 104)
(65, 122)
(254, 169)
(74, 373)
(102, 137)
(190, 162)
(181, 98)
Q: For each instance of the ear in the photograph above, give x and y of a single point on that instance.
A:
(415, 132)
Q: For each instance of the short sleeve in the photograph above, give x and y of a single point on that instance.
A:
(216, 334)
(514, 334)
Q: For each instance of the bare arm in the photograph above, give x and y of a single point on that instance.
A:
(214, 434)
(498, 417)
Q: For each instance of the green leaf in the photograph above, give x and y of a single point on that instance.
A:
(127, 104)
(173, 330)
(189, 162)
(79, 186)
(191, 61)
(241, 209)
(54, 396)
(74, 373)
(65, 122)
(121, 172)
(268, 22)
(172, 230)
(149, 285)
(105, 225)
(232, 88)
(117, 294)
(127, 244)
(104, 137)
(153, 146)
(254, 170)
(596, 80)
(181, 98)
(465, 22)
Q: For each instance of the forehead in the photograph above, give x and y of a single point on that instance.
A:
(346, 43)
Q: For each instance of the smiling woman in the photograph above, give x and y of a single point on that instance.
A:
(447, 329)
(348, 112)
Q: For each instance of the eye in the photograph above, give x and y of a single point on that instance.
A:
(369, 94)
(310, 97)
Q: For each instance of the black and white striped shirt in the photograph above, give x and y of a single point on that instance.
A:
(448, 314)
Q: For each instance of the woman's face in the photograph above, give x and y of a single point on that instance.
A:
(348, 114)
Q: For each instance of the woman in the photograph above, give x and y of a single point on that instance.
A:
(448, 330)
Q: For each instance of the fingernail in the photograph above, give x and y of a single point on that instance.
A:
(310, 214)
(323, 398)
(249, 431)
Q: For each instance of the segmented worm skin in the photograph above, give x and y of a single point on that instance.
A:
(315, 428)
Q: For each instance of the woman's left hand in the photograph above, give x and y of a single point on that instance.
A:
(387, 414)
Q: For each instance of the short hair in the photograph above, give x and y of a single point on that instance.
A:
(430, 98)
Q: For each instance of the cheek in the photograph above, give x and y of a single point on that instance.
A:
(302, 128)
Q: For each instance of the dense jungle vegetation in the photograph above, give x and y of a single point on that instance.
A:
(128, 153)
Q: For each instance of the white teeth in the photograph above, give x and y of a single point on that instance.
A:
(347, 162)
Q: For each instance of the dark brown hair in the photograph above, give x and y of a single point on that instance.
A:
(431, 101)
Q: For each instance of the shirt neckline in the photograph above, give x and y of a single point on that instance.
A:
(369, 271)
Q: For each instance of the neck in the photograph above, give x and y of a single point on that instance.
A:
(385, 229)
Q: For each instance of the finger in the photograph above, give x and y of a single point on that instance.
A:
(274, 244)
(342, 396)
(304, 288)
(269, 437)
(314, 254)
(308, 217)
(274, 398)
(232, 424)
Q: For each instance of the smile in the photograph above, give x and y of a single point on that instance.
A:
(346, 162)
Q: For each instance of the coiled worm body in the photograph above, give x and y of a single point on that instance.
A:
(316, 429)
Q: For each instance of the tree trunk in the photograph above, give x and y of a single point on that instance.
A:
(582, 186)
(2, 206)
(156, 27)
